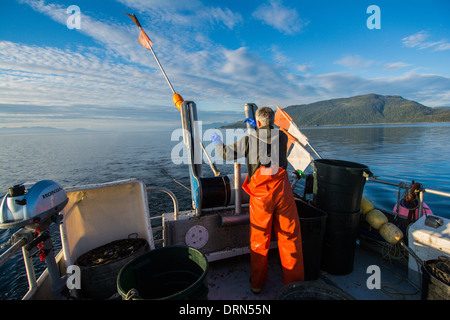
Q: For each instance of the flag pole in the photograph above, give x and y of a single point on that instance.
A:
(314, 150)
(162, 69)
(145, 41)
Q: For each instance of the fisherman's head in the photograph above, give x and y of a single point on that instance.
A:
(264, 117)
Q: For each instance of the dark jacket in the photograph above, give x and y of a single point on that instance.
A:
(265, 146)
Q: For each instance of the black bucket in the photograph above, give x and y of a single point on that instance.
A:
(436, 279)
(338, 185)
(99, 267)
(168, 273)
(340, 242)
(313, 223)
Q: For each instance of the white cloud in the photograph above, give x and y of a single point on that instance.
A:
(430, 90)
(55, 87)
(354, 62)
(282, 18)
(305, 67)
(182, 12)
(420, 41)
(61, 76)
(120, 80)
(395, 65)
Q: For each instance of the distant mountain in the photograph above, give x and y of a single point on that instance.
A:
(215, 125)
(365, 109)
(38, 130)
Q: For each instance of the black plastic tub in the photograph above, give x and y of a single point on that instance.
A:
(338, 185)
(436, 279)
(313, 223)
(340, 242)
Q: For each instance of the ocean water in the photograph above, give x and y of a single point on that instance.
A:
(395, 153)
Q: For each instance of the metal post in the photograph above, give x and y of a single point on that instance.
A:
(57, 282)
(237, 187)
(421, 211)
(12, 251)
(29, 268)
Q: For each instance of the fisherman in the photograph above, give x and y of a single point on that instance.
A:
(271, 198)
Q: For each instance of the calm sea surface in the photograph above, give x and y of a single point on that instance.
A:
(396, 153)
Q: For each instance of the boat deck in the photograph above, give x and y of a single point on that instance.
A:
(229, 279)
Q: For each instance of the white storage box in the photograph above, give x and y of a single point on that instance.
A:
(427, 243)
(98, 214)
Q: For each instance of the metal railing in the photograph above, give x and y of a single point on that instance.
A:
(175, 212)
(406, 186)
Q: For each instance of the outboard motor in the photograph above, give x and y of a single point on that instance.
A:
(23, 206)
(33, 209)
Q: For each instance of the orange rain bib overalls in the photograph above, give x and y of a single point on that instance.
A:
(272, 204)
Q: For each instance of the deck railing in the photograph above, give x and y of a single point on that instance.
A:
(406, 186)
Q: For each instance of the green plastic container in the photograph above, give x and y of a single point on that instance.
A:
(169, 273)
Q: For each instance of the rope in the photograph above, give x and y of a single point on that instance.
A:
(132, 294)
(7, 243)
(181, 184)
(168, 175)
(390, 253)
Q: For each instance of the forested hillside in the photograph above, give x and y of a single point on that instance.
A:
(365, 109)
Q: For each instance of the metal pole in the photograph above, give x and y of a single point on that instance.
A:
(237, 187)
(211, 163)
(439, 193)
(29, 268)
(314, 150)
(11, 251)
(421, 211)
(171, 194)
(160, 66)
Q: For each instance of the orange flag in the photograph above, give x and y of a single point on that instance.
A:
(284, 121)
(299, 158)
(144, 40)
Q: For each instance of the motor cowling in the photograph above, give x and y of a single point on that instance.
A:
(26, 203)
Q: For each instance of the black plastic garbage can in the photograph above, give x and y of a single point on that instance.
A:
(340, 242)
(338, 185)
(313, 223)
(436, 279)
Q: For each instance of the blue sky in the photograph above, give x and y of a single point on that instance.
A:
(218, 53)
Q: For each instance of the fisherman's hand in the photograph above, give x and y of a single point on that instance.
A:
(216, 138)
(251, 122)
